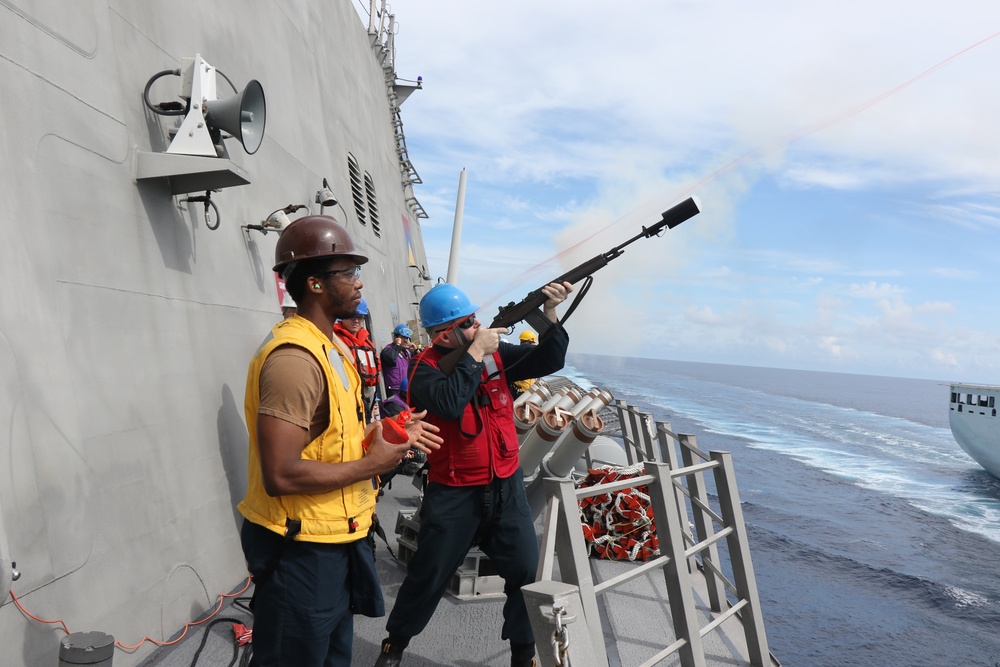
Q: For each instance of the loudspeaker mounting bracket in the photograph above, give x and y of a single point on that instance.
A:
(198, 85)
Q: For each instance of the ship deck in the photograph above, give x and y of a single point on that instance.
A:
(466, 633)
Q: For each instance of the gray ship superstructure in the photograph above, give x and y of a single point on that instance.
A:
(134, 302)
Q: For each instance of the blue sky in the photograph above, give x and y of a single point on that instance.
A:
(846, 156)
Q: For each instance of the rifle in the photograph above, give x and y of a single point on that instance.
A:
(529, 308)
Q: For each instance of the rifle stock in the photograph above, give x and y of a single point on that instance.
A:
(529, 308)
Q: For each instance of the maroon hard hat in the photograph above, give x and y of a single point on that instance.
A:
(313, 236)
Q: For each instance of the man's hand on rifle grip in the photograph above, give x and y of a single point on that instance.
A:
(485, 342)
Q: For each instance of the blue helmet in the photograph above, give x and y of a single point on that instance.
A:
(362, 307)
(444, 303)
(402, 330)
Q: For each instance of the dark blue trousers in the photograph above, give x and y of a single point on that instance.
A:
(450, 516)
(303, 614)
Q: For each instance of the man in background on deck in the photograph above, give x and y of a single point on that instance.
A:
(396, 361)
(518, 387)
(287, 306)
(310, 494)
(475, 490)
(353, 332)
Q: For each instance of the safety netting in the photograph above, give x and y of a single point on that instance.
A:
(618, 525)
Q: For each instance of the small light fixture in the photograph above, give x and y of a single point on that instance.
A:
(422, 272)
(277, 220)
(325, 197)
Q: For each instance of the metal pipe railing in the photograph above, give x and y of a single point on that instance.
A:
(678, 493)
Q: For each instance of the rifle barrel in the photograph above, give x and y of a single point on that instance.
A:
(513, 313)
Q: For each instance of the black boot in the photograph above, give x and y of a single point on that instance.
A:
(391, 654)
(522, 655)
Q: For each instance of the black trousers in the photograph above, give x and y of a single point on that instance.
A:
(304, 613)
(450, 517)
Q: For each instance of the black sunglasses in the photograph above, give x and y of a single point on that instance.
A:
(464, 324)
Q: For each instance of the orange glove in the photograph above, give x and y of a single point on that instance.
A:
(393, 429)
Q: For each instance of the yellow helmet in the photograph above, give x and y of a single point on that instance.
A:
(529, 336)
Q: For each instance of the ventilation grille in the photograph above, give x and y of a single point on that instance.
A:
(357, 190)
(372, 205)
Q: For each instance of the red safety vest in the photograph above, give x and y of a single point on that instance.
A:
(482, 444)
(365, 357)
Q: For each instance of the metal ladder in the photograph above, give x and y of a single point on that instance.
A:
(382, 33)
(679, 498)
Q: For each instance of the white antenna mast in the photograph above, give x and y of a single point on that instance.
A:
(456, 231)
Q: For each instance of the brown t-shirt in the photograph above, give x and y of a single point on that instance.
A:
(293, 389)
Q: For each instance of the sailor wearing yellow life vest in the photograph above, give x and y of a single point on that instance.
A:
(310, 494)
(518, 387)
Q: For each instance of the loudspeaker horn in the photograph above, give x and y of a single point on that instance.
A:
(242, 116)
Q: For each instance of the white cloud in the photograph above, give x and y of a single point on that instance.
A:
(580, 123)
(955, 274)
(877, 291)
(517, 79)
(944, 358)
(703, 315)
(832, 346)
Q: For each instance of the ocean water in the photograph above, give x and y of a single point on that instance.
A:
(875, 539)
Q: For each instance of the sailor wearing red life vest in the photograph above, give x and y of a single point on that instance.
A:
(475, 491)
(352, 331)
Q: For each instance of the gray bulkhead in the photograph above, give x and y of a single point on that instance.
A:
(126, 325)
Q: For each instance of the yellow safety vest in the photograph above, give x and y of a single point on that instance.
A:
(342, 515)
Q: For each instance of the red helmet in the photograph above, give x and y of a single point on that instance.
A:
(310, 237)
